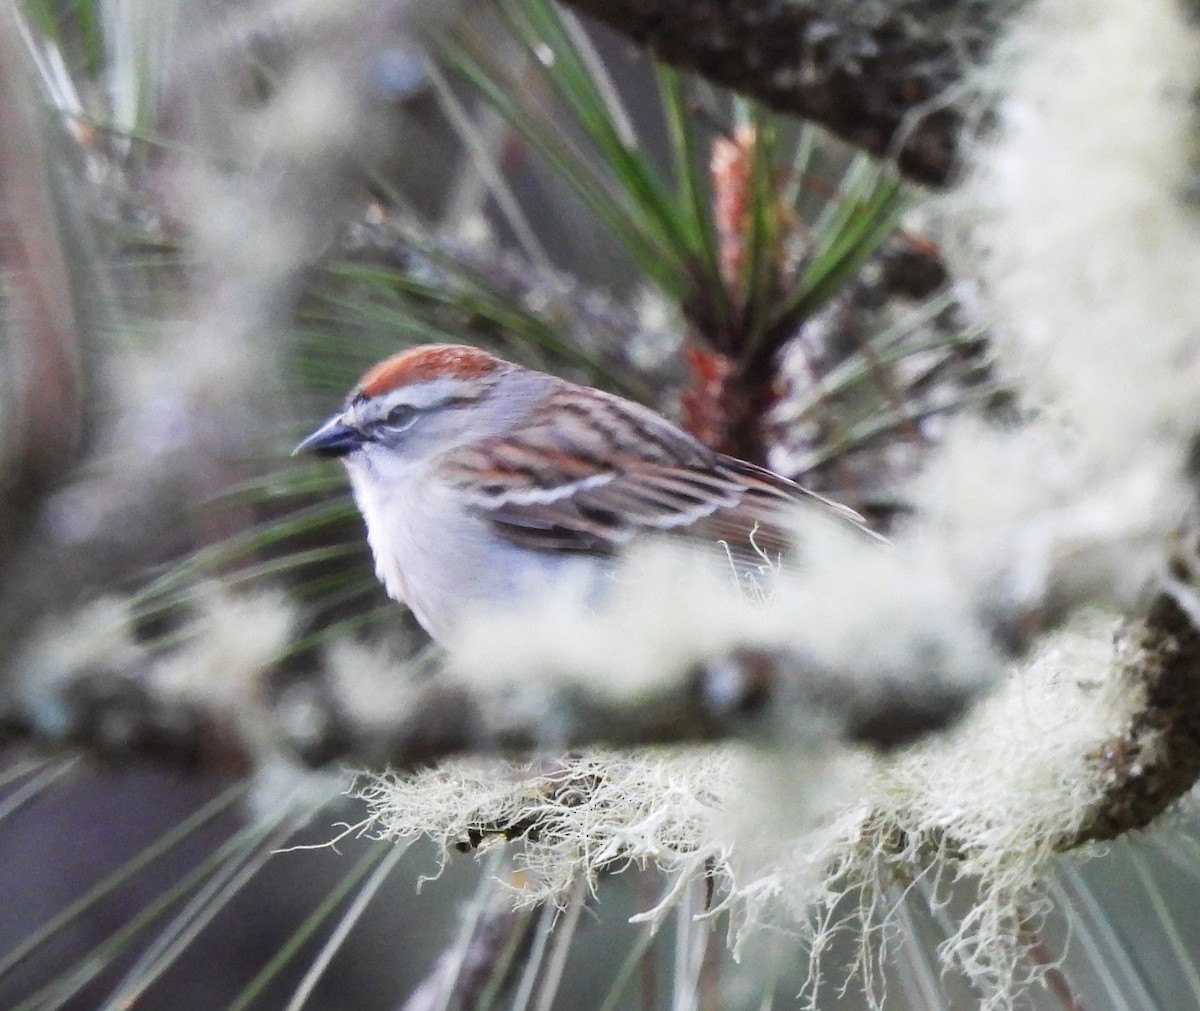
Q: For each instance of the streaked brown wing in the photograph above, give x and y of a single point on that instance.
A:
(590, 475)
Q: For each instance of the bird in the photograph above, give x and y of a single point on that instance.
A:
(482, 482)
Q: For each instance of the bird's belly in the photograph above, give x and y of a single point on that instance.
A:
(446, 563)
(443, 587)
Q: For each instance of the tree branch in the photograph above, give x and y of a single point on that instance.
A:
(881, 75)
(1158, 759)
(745, 694)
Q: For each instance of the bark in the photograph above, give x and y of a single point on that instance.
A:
(882, 74)
(1157, 760)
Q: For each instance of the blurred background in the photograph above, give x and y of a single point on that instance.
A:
(214, 217)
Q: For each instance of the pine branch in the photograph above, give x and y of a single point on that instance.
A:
(882, 75)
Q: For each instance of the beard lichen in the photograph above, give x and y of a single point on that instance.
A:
(810, 842)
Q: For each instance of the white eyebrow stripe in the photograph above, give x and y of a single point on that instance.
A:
(433, 393)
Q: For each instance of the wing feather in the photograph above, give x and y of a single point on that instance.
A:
(591, 474)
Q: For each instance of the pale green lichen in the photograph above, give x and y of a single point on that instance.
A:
(785, 837)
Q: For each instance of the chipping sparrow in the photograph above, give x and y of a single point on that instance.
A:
(481, 481)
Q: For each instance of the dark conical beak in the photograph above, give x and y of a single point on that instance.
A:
(334, 438)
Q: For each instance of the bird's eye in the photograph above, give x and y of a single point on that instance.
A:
(400, 416)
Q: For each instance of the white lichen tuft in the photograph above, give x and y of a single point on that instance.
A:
(232, 640)
(671, 611)
(1032, 519)
(88, 666)
(995, 800)
(373, 686)
(93, 640)
(595, 813)
(1077, 217)
(620, 648)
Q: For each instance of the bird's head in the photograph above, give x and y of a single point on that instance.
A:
(413, 403)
